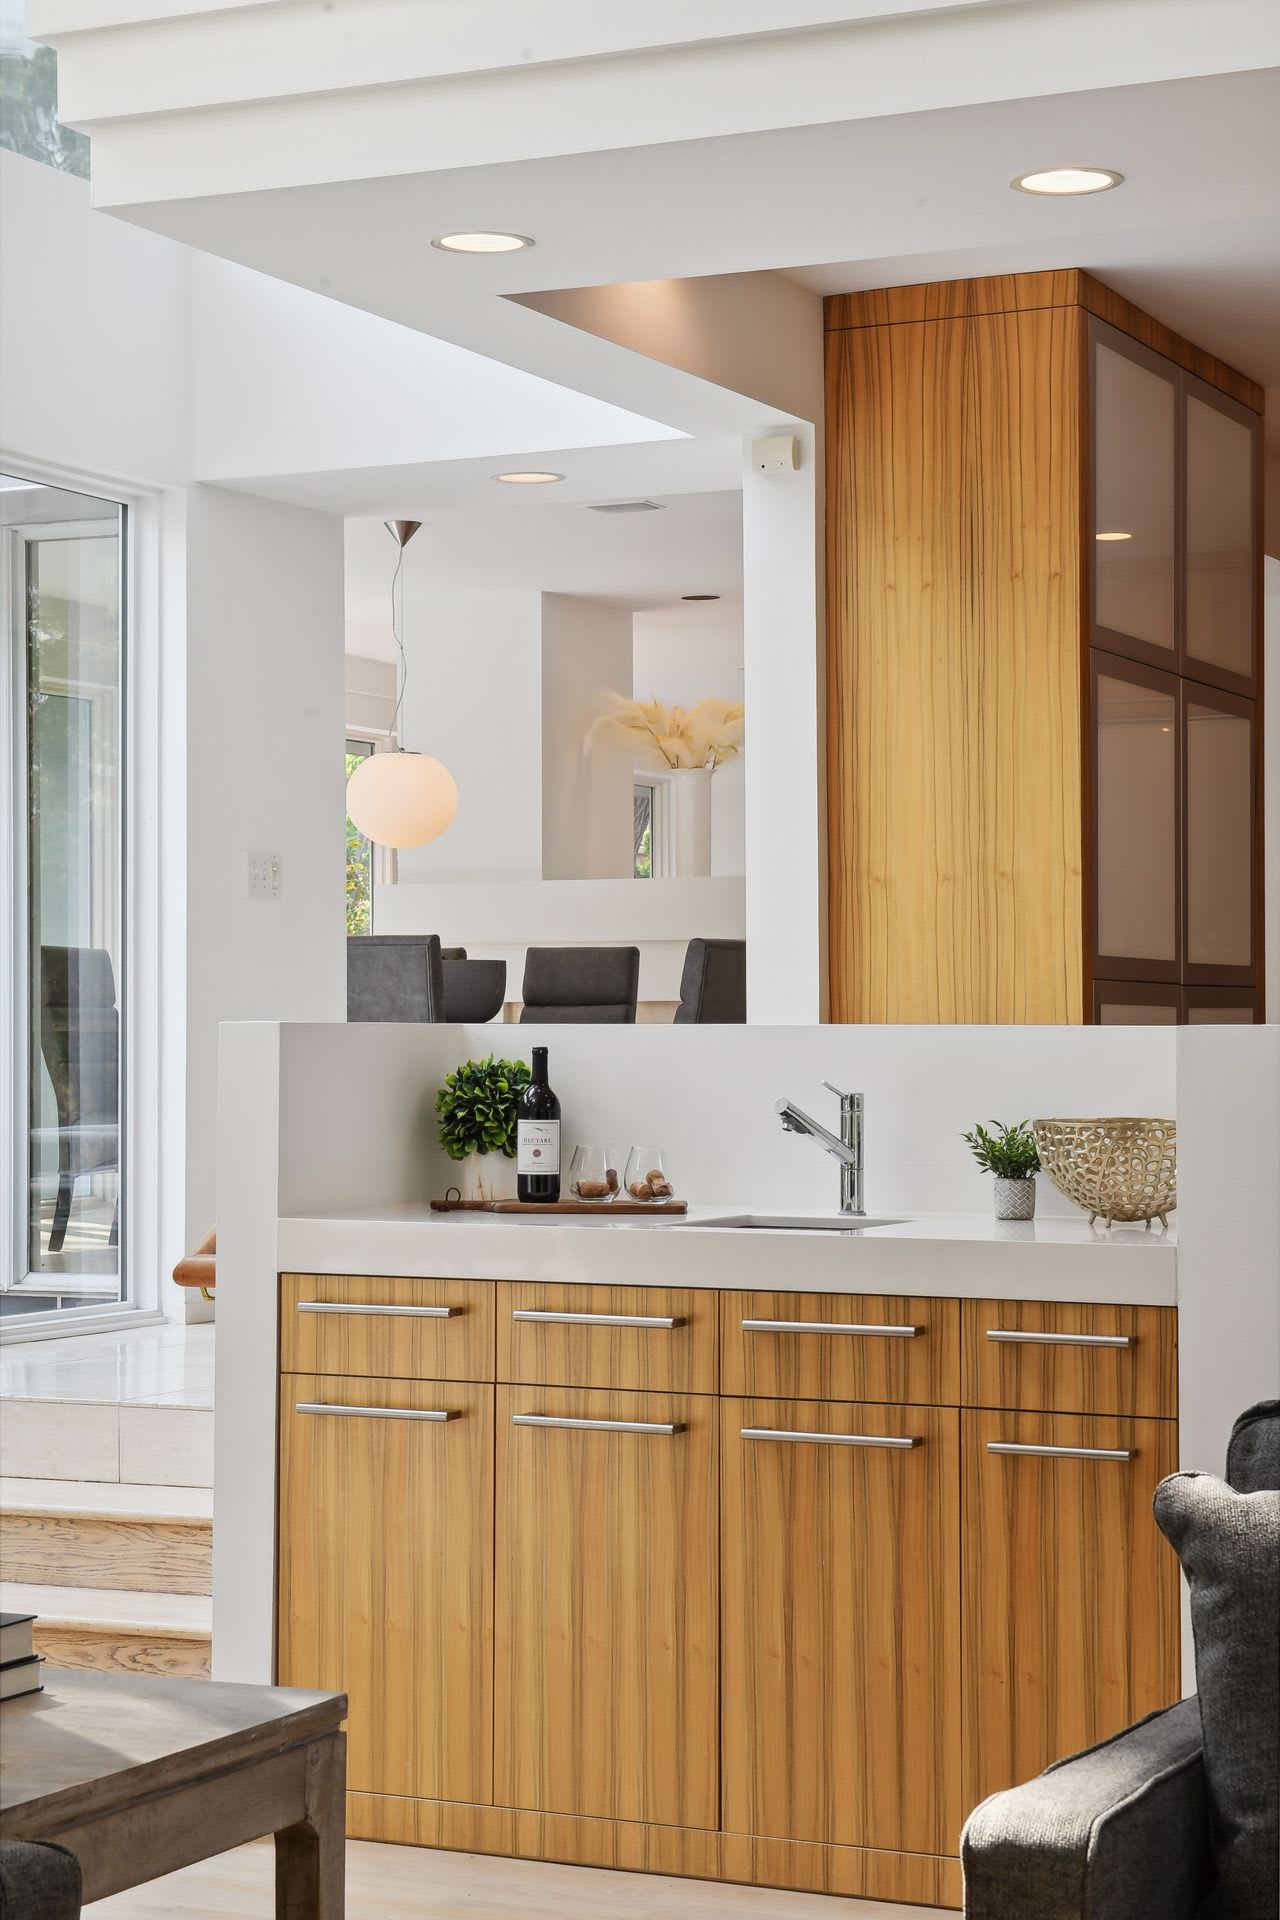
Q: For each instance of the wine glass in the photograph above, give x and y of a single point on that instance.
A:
(593, 1175)
(647, 1178)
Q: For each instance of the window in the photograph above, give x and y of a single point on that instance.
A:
(651, 820)
(643, 835)
(63, 614)
(359, 855)
(29, 121)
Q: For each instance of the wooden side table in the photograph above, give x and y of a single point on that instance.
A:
(140, 1775)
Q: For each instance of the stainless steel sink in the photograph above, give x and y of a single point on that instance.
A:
(801, 1222)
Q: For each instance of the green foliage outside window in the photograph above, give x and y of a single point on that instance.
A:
(29, 121)
(359, 869)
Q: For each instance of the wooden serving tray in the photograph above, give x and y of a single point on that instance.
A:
(559, 1206)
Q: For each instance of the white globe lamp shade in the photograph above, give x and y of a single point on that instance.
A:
(401, 799)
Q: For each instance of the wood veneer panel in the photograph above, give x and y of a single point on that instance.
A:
(953, 299)
(1036, 1377)
(386, 1576)
(842, 1366)
(954, 696)
(840, 1636)
(678, 1359)
(386, 1345)
(1023, 293)
(856, 1872)
(607, 1608)
(1070, 1592)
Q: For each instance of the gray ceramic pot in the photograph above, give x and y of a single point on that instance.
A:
(1016, 1199)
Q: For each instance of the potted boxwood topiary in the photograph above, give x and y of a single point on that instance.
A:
(476, 1109)
(1010, 1154)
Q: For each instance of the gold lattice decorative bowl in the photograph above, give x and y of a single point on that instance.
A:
(1123, 1170)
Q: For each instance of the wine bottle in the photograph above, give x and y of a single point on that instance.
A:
(538, 1136)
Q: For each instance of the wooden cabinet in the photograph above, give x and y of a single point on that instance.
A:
(1043, 645)
(607, 1592)
(750, 1585)
(841, 1623)
(1070, 1591)
(386, 1574)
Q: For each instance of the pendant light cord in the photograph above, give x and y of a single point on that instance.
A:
(396, 625)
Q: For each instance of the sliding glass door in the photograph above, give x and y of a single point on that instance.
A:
(63, 563)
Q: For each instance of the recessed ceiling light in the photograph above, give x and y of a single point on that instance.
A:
(699, 596)
(482, 242)
(527, 479)
(1066, 180)
(1113, 536)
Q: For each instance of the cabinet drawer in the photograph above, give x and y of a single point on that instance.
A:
(841, 1346)
(658, 1339)
(397, 1329)
(1039, 1356)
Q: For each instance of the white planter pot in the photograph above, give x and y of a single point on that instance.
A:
(1015, 1199)
(690, 803)
(487, 1176)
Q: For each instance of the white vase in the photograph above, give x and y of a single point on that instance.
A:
(691, 821)
(488, 1176)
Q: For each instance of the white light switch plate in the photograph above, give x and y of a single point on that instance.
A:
(264, 876)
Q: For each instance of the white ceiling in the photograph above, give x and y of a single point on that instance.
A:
(636, 560)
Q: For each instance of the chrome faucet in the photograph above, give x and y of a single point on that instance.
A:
(847, 1149)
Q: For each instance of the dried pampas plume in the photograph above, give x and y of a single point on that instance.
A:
(703, 736)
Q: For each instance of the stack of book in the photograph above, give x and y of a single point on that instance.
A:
(20, 1664)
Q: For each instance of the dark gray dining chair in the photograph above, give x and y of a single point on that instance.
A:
(474, 990)
(395, 976)
(713, 986)
(80, 1044)
(566, 986)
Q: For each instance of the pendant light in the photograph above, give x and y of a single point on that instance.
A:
(401, 798)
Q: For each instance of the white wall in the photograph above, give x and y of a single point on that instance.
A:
(95, 367)
(474, 699)
(685, 654)
(586, 798)
(264, 773)
(370, 687)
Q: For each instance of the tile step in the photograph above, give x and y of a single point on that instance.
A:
(116, 1631)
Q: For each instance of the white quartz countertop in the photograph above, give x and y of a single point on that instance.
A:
(946, 1255)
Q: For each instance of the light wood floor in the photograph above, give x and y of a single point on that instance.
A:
(413, 1883)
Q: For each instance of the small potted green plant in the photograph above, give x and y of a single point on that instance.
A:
(476, 1122)
(1009, 1153)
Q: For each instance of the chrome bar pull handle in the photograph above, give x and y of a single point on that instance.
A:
(595, 1426)
(831, 1439)
(548, 1318)
(341, 1306)
(373, 1413)
(1060, 1453)
(827, 1326)
(1017, 1338)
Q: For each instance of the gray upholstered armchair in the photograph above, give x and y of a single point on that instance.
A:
(395, 976)
(713, 986)
(581, 985)
(38, 1881)
(1176, 1818)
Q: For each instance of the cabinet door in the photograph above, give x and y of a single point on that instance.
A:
(1136, 822)
(1222, 1007)
(1133, 557)
(1222, 449)
(386, 1574)
(1070, 1590)
(1220, 895)
(1127, 1003)
(841, 1629)
(607, 1582)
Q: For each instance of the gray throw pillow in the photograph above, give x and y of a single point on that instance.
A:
(1229, 1545)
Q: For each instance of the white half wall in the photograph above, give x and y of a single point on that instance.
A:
(586, 798)
(474, 699)
(264, 774)
(1271, 776)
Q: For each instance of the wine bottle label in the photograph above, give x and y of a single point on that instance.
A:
(538, 1146)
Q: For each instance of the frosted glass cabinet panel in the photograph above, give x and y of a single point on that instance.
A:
(1136, 838)
(1134, 509)
(1220, 851)
(1220, 519)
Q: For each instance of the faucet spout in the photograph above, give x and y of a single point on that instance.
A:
(845, 1148)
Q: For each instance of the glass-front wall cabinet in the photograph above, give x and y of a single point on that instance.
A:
(1175, 883)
